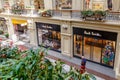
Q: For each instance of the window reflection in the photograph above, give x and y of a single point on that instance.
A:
(49, 38)
(108, 52)
(78, 45)
(97, 48)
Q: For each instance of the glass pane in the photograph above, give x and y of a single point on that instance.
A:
(97, 50)
(49, 38)
(87, 47)
(108, 52)
(78, 45)
(92, 49)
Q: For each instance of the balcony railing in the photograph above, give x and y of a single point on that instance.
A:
(115, 16)
(28, 12)
(74, 14)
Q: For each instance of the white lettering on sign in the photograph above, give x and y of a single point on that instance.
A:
(86, 32)
(92, 33)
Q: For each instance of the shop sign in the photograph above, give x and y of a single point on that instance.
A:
(96, 33)
(92, 33)
(48, 26)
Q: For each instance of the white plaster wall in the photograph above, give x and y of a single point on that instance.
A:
(27, 3)
(11, 2)
(77, 4)
(0, 4)
(48, 4)
(10, 27)
(116, 5)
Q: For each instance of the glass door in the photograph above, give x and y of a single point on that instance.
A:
(92, 49)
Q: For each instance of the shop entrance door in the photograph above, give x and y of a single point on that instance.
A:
(92, 49)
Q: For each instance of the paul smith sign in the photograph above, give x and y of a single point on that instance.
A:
(92, 33)
(47, 26)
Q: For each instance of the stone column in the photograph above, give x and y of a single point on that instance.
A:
(32, 32)
(118, 69)
(0, 4)
(117, 57)
(116, 5)
(10, 27)
(105, 5)
(66, 39)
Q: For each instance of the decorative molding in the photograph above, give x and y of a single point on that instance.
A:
(66, 34)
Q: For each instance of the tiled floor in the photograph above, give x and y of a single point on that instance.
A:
(101, 71)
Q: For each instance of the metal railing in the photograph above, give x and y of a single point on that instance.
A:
(56, 13)
(115, 16)
(74, 14)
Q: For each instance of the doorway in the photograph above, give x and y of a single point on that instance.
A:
(92, 49)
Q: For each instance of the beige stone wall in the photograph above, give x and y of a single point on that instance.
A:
(116, 5)
(77, 4)
(48, 4)
(67, 34)
(66, 38)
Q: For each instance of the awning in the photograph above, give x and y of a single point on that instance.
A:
(17, 21)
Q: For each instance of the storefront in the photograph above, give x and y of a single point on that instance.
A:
(97, 46)
(3, 25)
(21, 29)
(49, 36)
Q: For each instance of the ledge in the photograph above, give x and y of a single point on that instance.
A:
(66, 34)
(109, 23)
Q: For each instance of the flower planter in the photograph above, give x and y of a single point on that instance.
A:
(93, 15)
(45, 13)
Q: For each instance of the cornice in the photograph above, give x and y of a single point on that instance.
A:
(102, 23)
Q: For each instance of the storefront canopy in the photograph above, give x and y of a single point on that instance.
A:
(17, 21)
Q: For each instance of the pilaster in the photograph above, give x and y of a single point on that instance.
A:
(32, 32)
(66, 37)
(10, 27)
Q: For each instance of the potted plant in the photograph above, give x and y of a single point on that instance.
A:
(6, 35)
(93, 15)
(99, 14)
(1, 32)
(87, 13)
(45, 13)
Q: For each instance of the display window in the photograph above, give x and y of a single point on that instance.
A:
(49, 36)
(3, 25)
(94, 45)
(21, 30)
(63, 4)
(78, 45)
(92, 48)
(108, 52)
